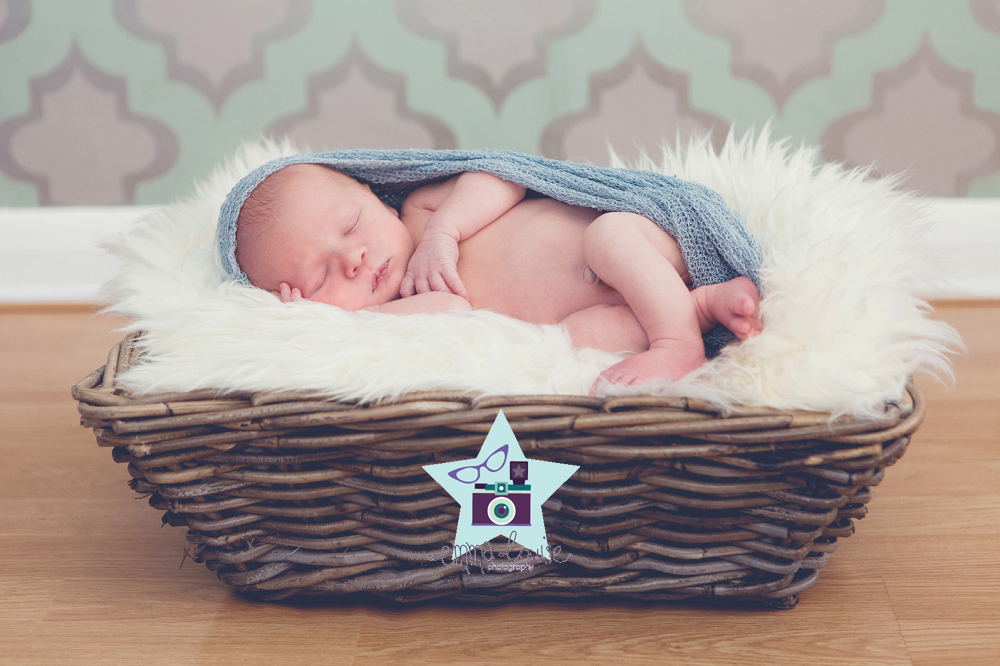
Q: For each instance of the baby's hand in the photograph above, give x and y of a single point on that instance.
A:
(287, 294)
(433, 267)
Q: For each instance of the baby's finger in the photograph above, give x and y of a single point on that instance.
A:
(296, 294)
(455, 283)
(421, 285)
(406, 286)
(286, 293)
(437, 282)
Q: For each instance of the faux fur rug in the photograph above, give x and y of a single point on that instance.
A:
(843, 329)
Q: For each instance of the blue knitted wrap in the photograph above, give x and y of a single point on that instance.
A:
(714, 242)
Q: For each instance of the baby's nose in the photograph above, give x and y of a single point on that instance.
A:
(354, 261)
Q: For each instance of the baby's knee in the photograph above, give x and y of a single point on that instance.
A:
(613, 237)
(622, 232)
(616, 224)
(609, 231)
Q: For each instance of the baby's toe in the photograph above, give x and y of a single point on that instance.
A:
(615, 375)
(610, 376)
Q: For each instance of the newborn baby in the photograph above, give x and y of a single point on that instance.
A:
(615, 280)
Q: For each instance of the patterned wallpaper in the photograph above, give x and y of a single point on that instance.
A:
(131, 101)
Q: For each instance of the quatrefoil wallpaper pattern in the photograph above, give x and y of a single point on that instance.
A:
(131, 101)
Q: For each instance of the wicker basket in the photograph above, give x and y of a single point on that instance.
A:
(284, 494)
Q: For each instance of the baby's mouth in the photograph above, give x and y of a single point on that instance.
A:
(379, 274)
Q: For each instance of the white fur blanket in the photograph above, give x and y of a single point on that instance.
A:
(843, 329)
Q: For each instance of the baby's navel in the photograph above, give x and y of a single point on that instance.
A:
(589, 275)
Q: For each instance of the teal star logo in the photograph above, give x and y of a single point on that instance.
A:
(500, 491)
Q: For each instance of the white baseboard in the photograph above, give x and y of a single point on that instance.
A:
(50, 255)
(966, 242)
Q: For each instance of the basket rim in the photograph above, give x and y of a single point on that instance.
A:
(101, 399)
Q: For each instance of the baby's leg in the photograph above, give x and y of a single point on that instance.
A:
(635, 257)
(614, 328)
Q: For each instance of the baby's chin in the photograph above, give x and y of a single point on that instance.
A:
(326, 301)
(391, 291)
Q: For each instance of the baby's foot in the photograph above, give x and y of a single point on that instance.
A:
(670, 360)
(732, 304)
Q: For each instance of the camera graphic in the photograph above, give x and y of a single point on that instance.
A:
(504, 503)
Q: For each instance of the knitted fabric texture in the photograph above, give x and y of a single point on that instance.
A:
(714, 243)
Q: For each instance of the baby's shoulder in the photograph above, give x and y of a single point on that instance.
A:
(429, 197)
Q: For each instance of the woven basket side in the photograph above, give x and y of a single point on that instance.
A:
(289, 494)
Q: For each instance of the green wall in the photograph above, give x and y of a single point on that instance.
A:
(131, 101)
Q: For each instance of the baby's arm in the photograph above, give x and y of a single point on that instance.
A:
(429, 302)
(475, 200)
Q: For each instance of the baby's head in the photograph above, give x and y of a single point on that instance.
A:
(324, 233)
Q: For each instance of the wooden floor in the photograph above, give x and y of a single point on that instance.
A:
(87, 575)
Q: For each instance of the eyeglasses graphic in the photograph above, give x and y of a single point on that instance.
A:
(491, 463)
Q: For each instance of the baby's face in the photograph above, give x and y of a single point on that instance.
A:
(332, 239)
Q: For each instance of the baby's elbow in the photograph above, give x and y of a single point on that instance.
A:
(440, 301)
(514, 190)
(456, 302)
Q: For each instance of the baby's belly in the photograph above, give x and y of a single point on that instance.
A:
(529, 263)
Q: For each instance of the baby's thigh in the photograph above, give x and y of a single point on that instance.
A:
(612, 328)
(617, 229)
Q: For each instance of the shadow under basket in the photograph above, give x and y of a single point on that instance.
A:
(285, 494)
